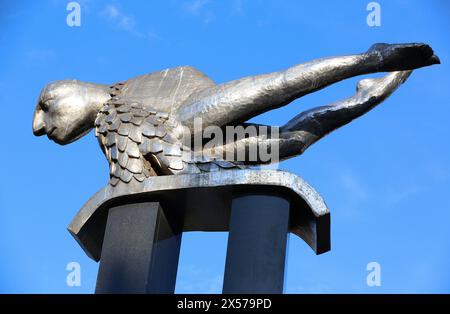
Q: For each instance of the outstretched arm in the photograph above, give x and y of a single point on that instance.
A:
(310, 126)
(237, 101)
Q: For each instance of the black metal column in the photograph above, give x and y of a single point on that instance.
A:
(140, 250)
(255, 263)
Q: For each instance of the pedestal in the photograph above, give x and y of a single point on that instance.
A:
(138, 244)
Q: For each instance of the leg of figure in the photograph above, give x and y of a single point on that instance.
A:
(237, 101)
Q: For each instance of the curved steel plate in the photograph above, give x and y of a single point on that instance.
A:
(203, 201)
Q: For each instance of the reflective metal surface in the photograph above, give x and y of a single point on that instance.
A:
(140, 123)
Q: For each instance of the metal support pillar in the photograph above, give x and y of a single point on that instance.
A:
(140, 250)
(256, 253)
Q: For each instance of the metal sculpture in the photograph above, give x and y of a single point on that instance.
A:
(140, 123)
(162, 183)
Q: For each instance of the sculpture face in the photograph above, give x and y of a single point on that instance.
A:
(65, 111)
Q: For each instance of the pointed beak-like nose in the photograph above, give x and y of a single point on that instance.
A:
(38, 122)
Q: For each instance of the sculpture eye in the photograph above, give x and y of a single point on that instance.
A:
(45, 105)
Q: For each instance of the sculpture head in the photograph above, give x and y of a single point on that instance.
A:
(66, 109)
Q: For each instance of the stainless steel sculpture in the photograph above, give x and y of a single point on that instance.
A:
(140, 122)
(142, 125)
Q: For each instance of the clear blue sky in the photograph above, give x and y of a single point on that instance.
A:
(385, 177)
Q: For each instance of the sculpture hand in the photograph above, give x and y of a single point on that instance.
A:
(399, 57)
